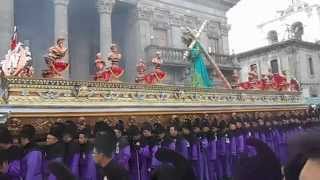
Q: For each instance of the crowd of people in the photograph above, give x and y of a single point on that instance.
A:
(212, 145)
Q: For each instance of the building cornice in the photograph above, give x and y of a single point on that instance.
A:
(277, 46)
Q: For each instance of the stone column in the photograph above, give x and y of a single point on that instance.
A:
(105, 10)
(61, 24)
(6, 25)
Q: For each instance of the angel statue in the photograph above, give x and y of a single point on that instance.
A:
(158, 75)
(17, 62)
(54, 60)
(116, 72)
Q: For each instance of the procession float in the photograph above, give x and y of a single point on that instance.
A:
(42, 101)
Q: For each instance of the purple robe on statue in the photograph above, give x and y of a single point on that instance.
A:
(31, 163)
(87, 165)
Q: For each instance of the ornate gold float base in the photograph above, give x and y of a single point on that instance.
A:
(43, 101)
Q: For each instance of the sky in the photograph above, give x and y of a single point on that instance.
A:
(246, 15)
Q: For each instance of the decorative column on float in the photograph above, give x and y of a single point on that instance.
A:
(61, 25)
(105, 9)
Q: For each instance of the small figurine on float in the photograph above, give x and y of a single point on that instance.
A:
(157, 76)
(280, 82)
(236, 79)
(294, 85)
(116, 72)
(141, 70)
(18, 60)
(253, 74)
(252, 79)
(55, 62)
(101, 74)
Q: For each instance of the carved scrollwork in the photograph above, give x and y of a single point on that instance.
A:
(50, 94)
(144, 12)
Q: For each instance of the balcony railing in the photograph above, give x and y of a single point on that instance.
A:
(174, 56)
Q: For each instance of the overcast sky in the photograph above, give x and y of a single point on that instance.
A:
(246, 15)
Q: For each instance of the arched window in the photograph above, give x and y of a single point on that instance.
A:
(274, 66)
(272, 37)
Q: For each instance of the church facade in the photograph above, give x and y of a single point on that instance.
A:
(139, 27)
(291, 47)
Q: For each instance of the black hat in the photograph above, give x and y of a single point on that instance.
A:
(57, 130)
(100, 126)
(204, 123)
(28, 131)
(187, 124)
(146, 126)
(5, 135)
(86, 131)
(119, 126)
(196, 123)
(60, 171)
(70, 128)
(158, 128)
(106, 142)
(263, 166)
(133, 130)
(181, 169)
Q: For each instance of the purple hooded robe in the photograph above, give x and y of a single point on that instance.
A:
(87, 165)
(31, 163)
(72, 158)
(54, 153)
(14, 169)
(123, 153)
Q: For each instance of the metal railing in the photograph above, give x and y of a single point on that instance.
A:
(174, 56)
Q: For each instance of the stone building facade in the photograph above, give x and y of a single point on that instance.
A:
(299, 59)
(285, 24)
(139, 27)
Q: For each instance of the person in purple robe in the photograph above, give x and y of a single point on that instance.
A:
(171, 139)
(212, 152)
(54, 149)
(145, 151)
(159, 133)
(32, 161)
(276, 137)
(72, 152)
(183, 142)
(221, 149)
(60, 171)
(263, 166)
(123, 152)
(87, 165)
(14, 153)
(4, 161)
(104, 148)
(231, 148)
(134, 136)
(198, 147)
